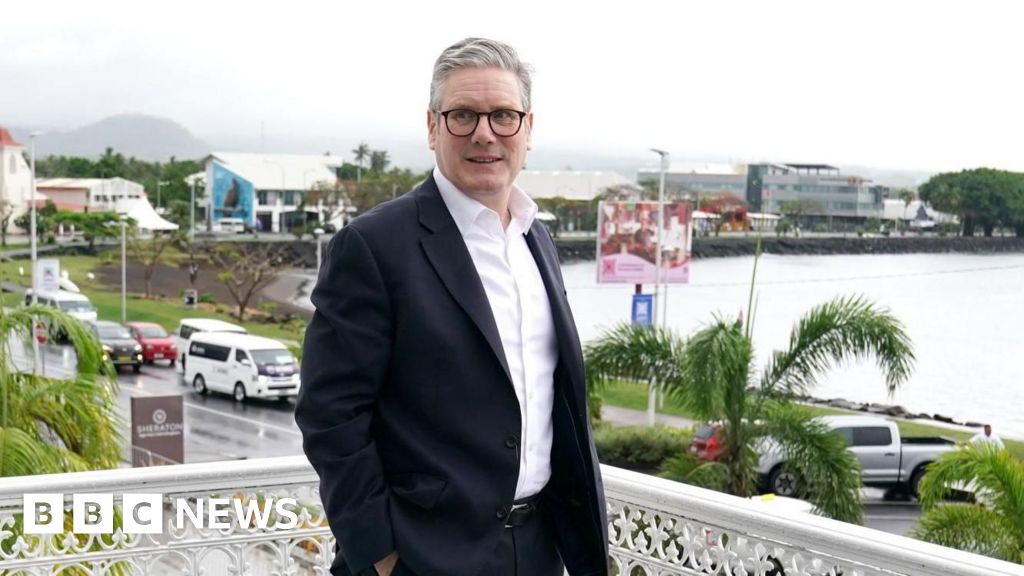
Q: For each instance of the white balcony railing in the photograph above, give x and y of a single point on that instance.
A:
(656, 527)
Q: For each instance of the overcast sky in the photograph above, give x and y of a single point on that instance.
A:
(916, 85)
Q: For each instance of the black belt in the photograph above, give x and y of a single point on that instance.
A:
(521, 511)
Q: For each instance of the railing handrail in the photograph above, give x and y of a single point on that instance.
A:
(829, 537)
(855, 544)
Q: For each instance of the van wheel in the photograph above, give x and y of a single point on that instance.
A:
(783, 482)
(240, 392)
(199, 384)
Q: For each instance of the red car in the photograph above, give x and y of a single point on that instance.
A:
(708, 443)
(156, 343)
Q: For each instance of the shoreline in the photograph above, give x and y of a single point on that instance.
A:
(582, 249)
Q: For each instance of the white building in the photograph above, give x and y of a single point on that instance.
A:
(89, 194)
(574, 185)
(15, 176)
(279, 183)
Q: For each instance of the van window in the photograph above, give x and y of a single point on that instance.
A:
(186, 331)
(76, 306)
(872, 436)
(240, 356)
(211, 351)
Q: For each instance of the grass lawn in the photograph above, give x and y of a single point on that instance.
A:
(165, 312)
(627, 395)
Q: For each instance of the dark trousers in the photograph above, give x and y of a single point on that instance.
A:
(527, 550)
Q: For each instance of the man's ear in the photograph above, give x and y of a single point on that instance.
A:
(431, 129)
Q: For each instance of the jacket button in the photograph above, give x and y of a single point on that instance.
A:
(511, 442)
(501, 513)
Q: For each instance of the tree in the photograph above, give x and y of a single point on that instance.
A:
(362, 154)
(994, 524)
(6, 212)
(712, 376)
(379, 161)
(150, 251)
(53, 425)
(93, 225)
(44, 220)
(248, 268)
(329, 198)
(980, 197)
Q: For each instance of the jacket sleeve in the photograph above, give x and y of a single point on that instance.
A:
(346, 353)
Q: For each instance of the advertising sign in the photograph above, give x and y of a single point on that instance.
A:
(232, 195)
(627, 242)
(48, 272)
(158, 430)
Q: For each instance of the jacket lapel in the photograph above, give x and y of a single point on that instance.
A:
(447, 253)
(565, 327)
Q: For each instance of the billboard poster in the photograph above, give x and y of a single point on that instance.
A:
(48, 272)
(627, 242)
(232, 195)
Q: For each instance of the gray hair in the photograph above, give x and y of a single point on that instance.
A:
(479, 53)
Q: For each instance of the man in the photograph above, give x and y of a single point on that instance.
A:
(988, 437)
(443, 401)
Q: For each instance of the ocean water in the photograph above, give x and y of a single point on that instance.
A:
(964, 314)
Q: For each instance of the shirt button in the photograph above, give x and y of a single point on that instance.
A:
(511, 442)
(501, 513)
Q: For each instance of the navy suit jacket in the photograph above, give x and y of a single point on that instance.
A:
(407, 408)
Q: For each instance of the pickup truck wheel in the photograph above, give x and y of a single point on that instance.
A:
(783, 482)
(915, 480)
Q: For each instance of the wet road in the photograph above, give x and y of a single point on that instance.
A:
(216, 427)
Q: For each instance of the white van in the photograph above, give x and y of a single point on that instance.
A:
(75, 304)
(241, 365)
(189, 326)
(229, 226)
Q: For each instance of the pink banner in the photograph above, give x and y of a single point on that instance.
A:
(627, 242)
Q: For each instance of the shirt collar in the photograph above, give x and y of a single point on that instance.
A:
(466, 210)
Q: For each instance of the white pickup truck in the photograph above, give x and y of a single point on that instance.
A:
(886, 459)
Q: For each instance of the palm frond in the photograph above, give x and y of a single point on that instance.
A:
(843, 329)
(829, 473)
(22, 455)
(970, 528)
(996, 477)
(715, 371)
(637, 353)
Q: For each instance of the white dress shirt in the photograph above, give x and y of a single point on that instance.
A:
(519, 302)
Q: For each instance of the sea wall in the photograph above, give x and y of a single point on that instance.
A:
(570, 250)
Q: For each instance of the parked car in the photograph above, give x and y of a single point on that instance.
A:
(241, 365)
(886, 459)
(708, 443)
(229, 226)
(119, 347)
(157, 344)
(189, 326)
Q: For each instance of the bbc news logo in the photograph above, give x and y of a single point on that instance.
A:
(144, 513)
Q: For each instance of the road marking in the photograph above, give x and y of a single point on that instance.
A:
(225, 414)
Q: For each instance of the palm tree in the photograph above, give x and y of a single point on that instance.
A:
(53, 425)
(994, 524)
(362, 154)
(712, 375)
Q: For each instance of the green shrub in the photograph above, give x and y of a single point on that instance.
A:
(221, 308)
(207, 298)
(639, 448)
(687, 468)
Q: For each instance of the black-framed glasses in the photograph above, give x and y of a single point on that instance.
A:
(463, 122)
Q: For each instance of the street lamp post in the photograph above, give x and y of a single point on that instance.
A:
(659, 293)
(124, 268)
(317, 233)
(32, 239)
